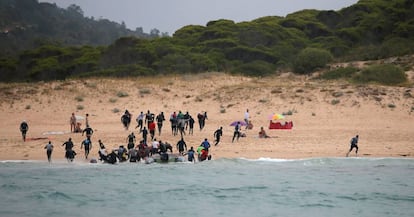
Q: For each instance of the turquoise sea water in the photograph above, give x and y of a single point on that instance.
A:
(225, 187)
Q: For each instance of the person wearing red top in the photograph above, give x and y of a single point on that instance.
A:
(151, 127)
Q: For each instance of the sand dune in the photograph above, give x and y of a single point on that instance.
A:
(325, 114)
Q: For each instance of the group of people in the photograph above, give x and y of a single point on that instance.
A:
(180, 122)
(148, 122)
(134, 153)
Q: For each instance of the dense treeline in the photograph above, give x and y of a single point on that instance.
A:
(302, 41)
(26, 24)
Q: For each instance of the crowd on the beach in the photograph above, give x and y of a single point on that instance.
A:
(148, 146)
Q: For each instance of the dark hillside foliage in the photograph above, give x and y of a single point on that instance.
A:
(24, 24)
(303, 41)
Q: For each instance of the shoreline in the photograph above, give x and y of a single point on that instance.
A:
(325, 115)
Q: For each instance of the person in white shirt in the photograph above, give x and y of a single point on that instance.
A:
(155, 146)
(246, 118)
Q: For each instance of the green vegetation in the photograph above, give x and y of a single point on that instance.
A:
(303, 41)
(122, 94)
(310, 59)
(27, 24)
(386, 74)
(339, 73)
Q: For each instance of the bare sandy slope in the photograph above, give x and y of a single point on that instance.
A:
(325, 114)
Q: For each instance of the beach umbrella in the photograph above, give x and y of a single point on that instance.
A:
(276, 116)
(242, 123)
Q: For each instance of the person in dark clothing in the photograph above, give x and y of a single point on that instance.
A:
(131, 140)
(160, 119)
(217, 134)
(191, 125)
(202, 120)
(112, 158)
(191, 155)
(354, 144)
(187, 119)
(103, 156)
(88, 130)
(126, 119)
(88, 146)
(68, 144)
(24, 127)
(181, 146)
(149, 118)
(236, 133)
(144, 132)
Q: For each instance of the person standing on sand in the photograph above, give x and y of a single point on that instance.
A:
(217, 134)
(246, 118)
(24, 127)
(354, 144)
(72, 122)
(87, 119)
(49, 149)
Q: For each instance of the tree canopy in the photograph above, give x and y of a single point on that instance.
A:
(302, 41)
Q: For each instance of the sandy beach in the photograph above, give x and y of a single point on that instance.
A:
(325, 114)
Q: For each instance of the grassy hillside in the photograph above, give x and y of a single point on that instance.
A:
(305, 41)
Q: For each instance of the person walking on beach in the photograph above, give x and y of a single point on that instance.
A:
(217, 134)
(236, 134)
(354, 144)
(72, 122)
(140, 121)
(191, 125)
(88, 130)
(151, 128)
(181, 146)
(88, 146)
(144, 132)
(49, 149)
(24, 127)
(202, 120)
(160, 119)
(149, 118)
